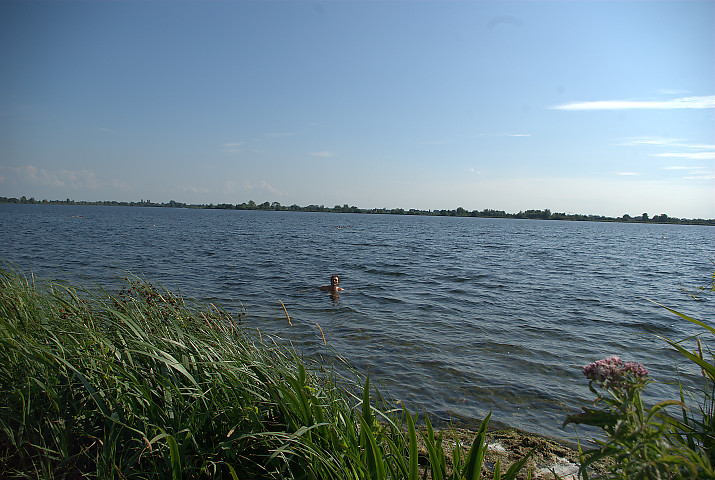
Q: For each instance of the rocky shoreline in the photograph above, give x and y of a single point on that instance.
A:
(509, 445)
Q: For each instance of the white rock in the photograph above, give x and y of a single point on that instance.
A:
(497, 447)
(563, 468)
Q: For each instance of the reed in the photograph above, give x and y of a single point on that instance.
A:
(143, 383)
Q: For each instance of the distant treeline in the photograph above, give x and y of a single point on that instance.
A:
(545, 214)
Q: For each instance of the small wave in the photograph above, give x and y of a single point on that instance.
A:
(385, 272)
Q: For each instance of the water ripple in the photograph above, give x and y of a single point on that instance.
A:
(453, 316)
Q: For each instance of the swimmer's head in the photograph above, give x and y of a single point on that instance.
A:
(334, 280)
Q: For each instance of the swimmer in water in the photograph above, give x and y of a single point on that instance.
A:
(333, 287)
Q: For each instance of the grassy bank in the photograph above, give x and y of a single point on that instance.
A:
(145, 384)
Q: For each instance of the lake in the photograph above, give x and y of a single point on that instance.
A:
(454, 316)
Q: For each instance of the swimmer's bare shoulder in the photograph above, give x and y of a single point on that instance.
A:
(329, 288)
(333, 287)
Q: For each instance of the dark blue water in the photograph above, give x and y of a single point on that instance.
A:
(453, 316)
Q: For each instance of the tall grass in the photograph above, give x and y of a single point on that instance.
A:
(145, 384)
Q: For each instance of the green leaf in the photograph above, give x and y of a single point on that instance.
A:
(475, 457)
(593, 417)
(375, 459)
(434, 449)
(366, 409)
(688, 318)
(174, 457)
(707, 367)
(412, 438)
(517, 466)
(231, 470)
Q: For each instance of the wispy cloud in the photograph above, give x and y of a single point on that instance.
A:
(656, 141)
(193, 189)
(705, 176)
(33, 175)
(246, 186)
(688, 155)
(238, 147)
(679, 148)
(693, 172)
(665, 142)
(324, 154)
(232, 147)
(59, 178)
(266, 187)
(628, 174)
(676, 103)
(80, 179)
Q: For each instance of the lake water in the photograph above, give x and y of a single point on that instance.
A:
(454, 316)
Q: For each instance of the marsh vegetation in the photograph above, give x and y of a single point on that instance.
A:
(143, 383)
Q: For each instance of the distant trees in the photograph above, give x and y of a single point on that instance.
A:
(535, 214)
(544, 214)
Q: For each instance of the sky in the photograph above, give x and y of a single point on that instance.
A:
(604, 108)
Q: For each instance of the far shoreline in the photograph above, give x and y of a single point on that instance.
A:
(532, 214)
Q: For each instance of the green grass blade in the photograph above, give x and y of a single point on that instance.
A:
(174, 457)
(374, 456)
(707, 367)
(413, 455)
(688, 318)
(516, 467)
(475, 457)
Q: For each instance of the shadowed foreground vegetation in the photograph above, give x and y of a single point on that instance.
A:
(143, 384)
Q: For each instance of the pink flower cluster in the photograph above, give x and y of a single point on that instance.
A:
(612, 370)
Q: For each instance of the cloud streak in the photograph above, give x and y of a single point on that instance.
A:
(664, 142)
(690, 151)
(61, 178)
(247, 187)
(324, 154)
(232, 147)
(688, 155)
(676, 103)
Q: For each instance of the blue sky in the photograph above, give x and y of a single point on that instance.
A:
(583, 107)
